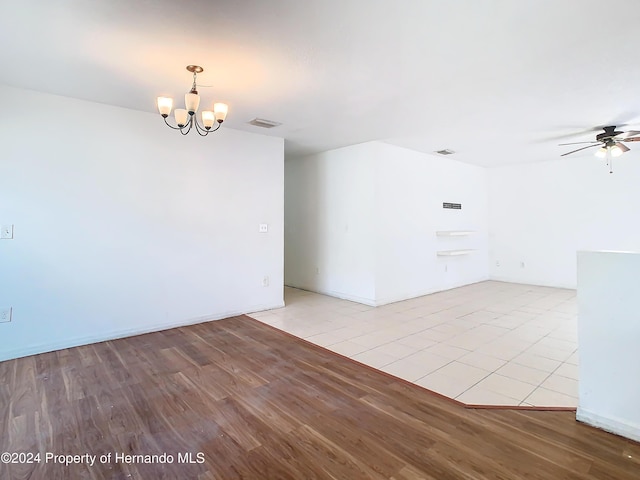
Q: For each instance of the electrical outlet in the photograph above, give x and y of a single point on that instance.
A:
(5, 315)
(264, 228)
(497, 263)
(265, 281)
(6, 232)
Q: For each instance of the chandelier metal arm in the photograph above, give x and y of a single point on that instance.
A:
(202, 131)
(169, 125)
(188, 129)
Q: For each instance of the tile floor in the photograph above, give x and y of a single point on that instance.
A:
(490, 343)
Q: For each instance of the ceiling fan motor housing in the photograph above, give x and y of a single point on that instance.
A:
(608, 134)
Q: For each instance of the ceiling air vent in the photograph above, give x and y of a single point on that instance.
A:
(262, 123)
(446, 151)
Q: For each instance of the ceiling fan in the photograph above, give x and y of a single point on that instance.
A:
(608, 141)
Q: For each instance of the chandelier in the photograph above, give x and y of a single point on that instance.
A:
(186, 117)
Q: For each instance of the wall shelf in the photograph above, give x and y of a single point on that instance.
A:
(453, 233)
(450, 253)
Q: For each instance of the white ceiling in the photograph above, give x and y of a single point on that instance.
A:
(494, 80)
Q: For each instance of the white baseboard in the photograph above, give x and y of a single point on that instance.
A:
(616, 426)
(380, 302)
(103, 337)
(332, 293)
(421, 293)
(499, 278)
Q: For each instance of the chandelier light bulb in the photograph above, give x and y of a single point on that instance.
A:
(208, 119)
(181, 116)
(165, 104)
(220, 110)
(191, 102)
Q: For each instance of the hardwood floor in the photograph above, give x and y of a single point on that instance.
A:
(251, 402)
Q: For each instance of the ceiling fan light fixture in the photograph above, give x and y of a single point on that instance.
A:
(601, 152)
(622, 147)
(617, 149)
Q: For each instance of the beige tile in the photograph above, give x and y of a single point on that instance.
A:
(480, 360)
(435, 336)
(408, 370)
(347, 333)
(443, 384)
(573, 359)
(559, 344)
(490, 331)
(503, 352)
(395, 349)
(417, 341)
(430, 360)
(448, 329)
(507, 321)
(542, 397)
(482, 316)
(567, 370)
(447, 351)
(479, 396)
(468, 341)
(548, 352)
(347, 348)
(522, 373)
(372, 340)
(535, 361)
(374, 359)
(464, 373)
(509, 387)
(324, 339)
(560, 384)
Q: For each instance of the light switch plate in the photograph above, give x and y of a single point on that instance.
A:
(6, 232)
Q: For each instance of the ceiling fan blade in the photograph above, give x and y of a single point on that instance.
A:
(568, 135)
(627, 134)
(576, 143)
(632, 139)
(574, 151)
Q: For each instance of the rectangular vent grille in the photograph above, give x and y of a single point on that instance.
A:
(262, 123)
(454, 206)
(446, 151)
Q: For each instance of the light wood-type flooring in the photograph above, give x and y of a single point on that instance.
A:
(257, 403)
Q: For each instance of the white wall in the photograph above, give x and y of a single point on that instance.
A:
(123, 226)
(360, 223)
(410, 189)
(543, 213)
(329, 223)
(608, 335)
